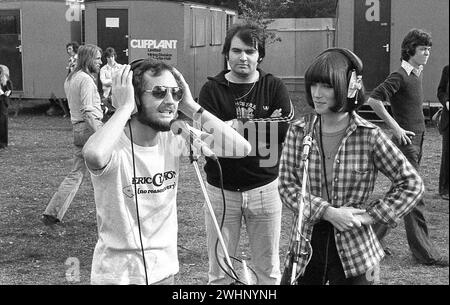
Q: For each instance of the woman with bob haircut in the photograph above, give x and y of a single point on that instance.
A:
(345, 156)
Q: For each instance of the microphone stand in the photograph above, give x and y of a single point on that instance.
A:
(194, 160)
(301, 206)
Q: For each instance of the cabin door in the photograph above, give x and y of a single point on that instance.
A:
(112, 31)
(372, 32)
(11, 46)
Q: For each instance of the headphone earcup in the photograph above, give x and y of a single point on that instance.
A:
(137, 104)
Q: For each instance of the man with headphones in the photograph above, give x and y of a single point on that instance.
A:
(256, 104)
(337, 244)
(403, 88)
(134, 165)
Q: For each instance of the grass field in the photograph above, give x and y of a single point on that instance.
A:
(39, 157)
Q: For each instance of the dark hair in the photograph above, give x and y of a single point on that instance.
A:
(251, 34)
(86, 56)
(74, 46)
(334, 67)
(110, 52)
(140, 67)
(412, 40)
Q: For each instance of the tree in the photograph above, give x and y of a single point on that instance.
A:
(259, 12)
(310, 9)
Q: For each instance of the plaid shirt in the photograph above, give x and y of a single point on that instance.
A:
(364, 151)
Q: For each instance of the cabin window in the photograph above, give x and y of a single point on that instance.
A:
(198, 28)
(9, 22)
(216, 28)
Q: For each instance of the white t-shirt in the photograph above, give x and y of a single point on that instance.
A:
(117, 256)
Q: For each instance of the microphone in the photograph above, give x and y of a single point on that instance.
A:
(307, 140)
(181, 127)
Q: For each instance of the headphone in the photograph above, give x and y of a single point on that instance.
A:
(354, 75)
(136, 66)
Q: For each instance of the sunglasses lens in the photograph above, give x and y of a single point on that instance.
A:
(159, 92)
(177, 94)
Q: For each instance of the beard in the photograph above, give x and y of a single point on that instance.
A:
(154, 124)
(93, 69)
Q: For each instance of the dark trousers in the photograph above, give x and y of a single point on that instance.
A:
(3, 122)
(325, 265)
(415, 224)
(443, 173)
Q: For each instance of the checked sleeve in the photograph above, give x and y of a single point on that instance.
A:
(407, 186)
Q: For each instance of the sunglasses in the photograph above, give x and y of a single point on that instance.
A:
(160, 92)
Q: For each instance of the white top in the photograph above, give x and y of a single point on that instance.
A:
(106, 73)
(411, 69)
(82, 96)
(117, 256)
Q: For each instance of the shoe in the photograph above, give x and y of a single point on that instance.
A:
(444, 196)
(49, 220)
(440, 262)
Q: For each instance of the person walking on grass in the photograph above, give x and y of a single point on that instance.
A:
(86, 117)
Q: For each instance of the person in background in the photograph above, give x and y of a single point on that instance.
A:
(257, 104)
(442, 94)
(86, 117)
(55, 102)
(403, 88)
(72, 51)
(6, 88)
(345, 156)
(106, 73)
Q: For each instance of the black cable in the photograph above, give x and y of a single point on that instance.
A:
(234, 276)
(137, 206)
(322, 150)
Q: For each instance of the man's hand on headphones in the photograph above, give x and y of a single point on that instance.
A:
(188, 101)
(122, 89)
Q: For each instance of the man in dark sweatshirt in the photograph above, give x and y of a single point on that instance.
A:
(257, 104)
(403, 89)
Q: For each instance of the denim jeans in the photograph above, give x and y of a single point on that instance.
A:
(68, 188)
(260, 208)
(415, 224)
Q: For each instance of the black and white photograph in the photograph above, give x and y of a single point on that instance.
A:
(247, 145)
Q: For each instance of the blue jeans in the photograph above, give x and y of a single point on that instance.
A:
(260, 208)
(68, 188)
(415, 224)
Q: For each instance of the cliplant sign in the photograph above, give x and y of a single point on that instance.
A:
(160, 49)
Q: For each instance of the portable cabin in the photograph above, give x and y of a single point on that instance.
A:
(374, 30)
(187, 35)
(33, 38)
